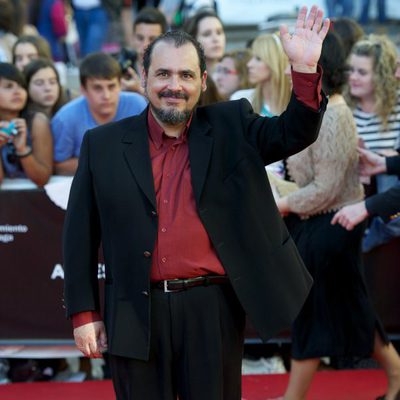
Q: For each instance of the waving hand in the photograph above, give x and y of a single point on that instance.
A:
(303, 47)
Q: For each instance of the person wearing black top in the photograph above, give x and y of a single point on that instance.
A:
(385, 205)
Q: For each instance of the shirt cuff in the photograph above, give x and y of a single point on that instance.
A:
(307, 88)
(85, 317)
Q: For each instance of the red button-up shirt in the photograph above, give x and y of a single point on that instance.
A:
(183, 248)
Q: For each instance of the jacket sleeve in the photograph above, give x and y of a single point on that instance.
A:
(81, 239)
(277, 138)
(393, 165)
(386, 204)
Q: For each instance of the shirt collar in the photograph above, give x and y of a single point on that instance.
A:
(157, 134)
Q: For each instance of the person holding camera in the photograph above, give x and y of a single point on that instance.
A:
(149, 24)
(102, 102)
(25, 152)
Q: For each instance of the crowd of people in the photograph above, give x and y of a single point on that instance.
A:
(326, 193)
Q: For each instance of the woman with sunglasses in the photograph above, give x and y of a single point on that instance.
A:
(24, 152)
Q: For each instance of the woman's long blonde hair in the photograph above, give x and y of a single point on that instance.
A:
(383, 54)
(268, 48)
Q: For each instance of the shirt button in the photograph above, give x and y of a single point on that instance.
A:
(154, 213)
(165, 201)
(147, 254)
(145, 293)
(309, 84)
(164, 259)
(163, 230)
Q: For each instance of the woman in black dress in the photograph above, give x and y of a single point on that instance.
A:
(337, 318)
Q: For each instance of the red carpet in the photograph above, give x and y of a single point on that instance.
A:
(329, 385)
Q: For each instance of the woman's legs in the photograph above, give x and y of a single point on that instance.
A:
(389, 359)
(301, 375)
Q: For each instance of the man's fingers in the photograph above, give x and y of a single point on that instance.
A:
(318, 21)
(301, 18)
(83, 347)
(325, 28)
(94, 349)
(103, 341)
(284, 32)
(311, 17)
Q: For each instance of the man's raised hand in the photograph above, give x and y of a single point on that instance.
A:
(303, 46)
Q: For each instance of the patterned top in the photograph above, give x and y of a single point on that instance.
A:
(371, 130)
(327, 171)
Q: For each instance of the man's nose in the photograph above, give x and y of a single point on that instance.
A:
(174, 83)
(106, 93)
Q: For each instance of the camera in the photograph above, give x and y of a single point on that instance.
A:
(10, 130)
(126, 59)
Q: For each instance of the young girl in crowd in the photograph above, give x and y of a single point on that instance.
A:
(231, 72)
(207, 28)
(266, 70)
(373, 93)
(337, 319)
(45, 93)
(24, 152)
(28, 48)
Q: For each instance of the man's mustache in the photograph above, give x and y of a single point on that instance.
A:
(173, 94)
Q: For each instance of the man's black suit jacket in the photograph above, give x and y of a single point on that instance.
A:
(112, 201)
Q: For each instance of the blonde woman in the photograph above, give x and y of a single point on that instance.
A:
(266, 70)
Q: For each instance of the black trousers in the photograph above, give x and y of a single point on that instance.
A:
(195, 349)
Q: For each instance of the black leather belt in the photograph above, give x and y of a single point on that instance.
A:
(177, 285)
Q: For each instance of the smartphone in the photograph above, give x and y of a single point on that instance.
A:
(10, 130)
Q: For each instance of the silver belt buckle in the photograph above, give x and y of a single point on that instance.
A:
(166, 290)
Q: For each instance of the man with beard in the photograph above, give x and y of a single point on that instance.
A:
(191, 236)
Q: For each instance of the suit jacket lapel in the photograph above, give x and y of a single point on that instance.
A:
(200, 147)
(137, 155)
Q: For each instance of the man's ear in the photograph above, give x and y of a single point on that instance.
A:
(204, 82)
